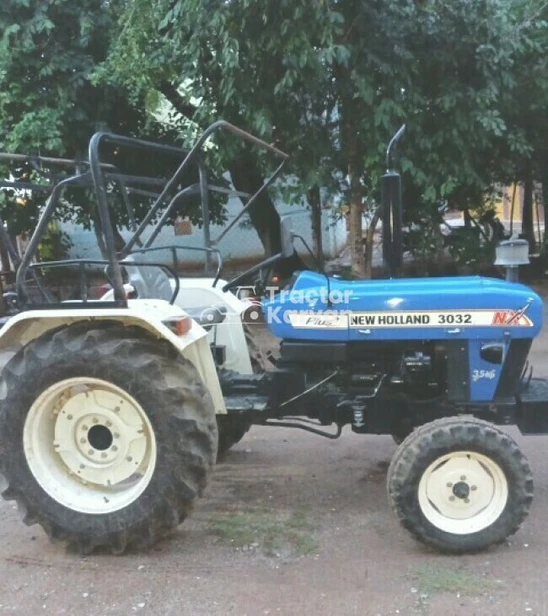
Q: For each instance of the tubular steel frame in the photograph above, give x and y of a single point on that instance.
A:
(96, 174)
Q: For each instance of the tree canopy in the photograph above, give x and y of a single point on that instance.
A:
(49, 105)
(468, 78)
(329, 81)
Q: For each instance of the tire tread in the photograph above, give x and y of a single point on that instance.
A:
(191, 448)
(443, 434)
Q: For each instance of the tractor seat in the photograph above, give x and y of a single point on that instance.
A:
(207, 316)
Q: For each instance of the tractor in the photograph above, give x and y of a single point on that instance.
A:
(114, 410)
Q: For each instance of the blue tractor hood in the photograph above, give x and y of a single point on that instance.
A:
(318, 308)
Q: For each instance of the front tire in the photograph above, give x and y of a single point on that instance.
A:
(399, 437)
(231, 431)
(107, 436)
(460, 485)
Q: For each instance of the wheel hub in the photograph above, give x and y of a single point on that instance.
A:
(96, 431)
(463, 492)
(90, 445)
(100, 437)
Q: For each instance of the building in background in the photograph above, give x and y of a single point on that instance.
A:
(239, 246)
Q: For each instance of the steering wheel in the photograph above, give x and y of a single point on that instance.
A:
(264, 266)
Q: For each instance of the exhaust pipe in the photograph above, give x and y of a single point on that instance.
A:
(392, 213)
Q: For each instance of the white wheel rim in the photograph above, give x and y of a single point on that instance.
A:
(463, 492)
(89, 445)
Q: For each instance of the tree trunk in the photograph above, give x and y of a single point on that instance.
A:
(6, 275)
(544, 184)
(369, 243)
(544, 247)
(467, 219)
(264, 217)
(119, 241)
(2, 306)
(98, 230)
(246, 177)
(5, 259)
(527, 229)
(355, 232)
(314, 200)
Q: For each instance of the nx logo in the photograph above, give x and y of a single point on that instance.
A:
(511, 317)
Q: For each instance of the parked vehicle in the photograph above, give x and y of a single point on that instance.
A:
(112, 411)
(487, 229)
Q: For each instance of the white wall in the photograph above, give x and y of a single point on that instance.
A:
(240, 243)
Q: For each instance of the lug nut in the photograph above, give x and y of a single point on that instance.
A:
(466, 500)
(69, 416)
(95, 420)
(451, 498)
(463, 477)
(449, 484)
(103, 455)
(84, 428)
(82, 466)
(129, 459)
(474, 488)
(83, 440)
(90, 452)
(116, 435)
(109, 423)
(116, 409)
(114, 448)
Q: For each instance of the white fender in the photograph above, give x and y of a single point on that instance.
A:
(148, 314)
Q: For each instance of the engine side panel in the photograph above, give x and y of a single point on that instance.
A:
(486, 326)
(465, 308)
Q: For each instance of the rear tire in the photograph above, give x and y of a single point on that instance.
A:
(107, 436)
(460, 485)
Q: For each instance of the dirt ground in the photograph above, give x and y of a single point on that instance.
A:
(291, 524)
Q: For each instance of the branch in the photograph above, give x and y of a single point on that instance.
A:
(531, 18)
(183, 107)
(347, 34)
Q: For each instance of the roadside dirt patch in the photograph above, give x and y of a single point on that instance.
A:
(359, 562)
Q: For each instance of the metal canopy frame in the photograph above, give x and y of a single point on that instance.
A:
(167, 194)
